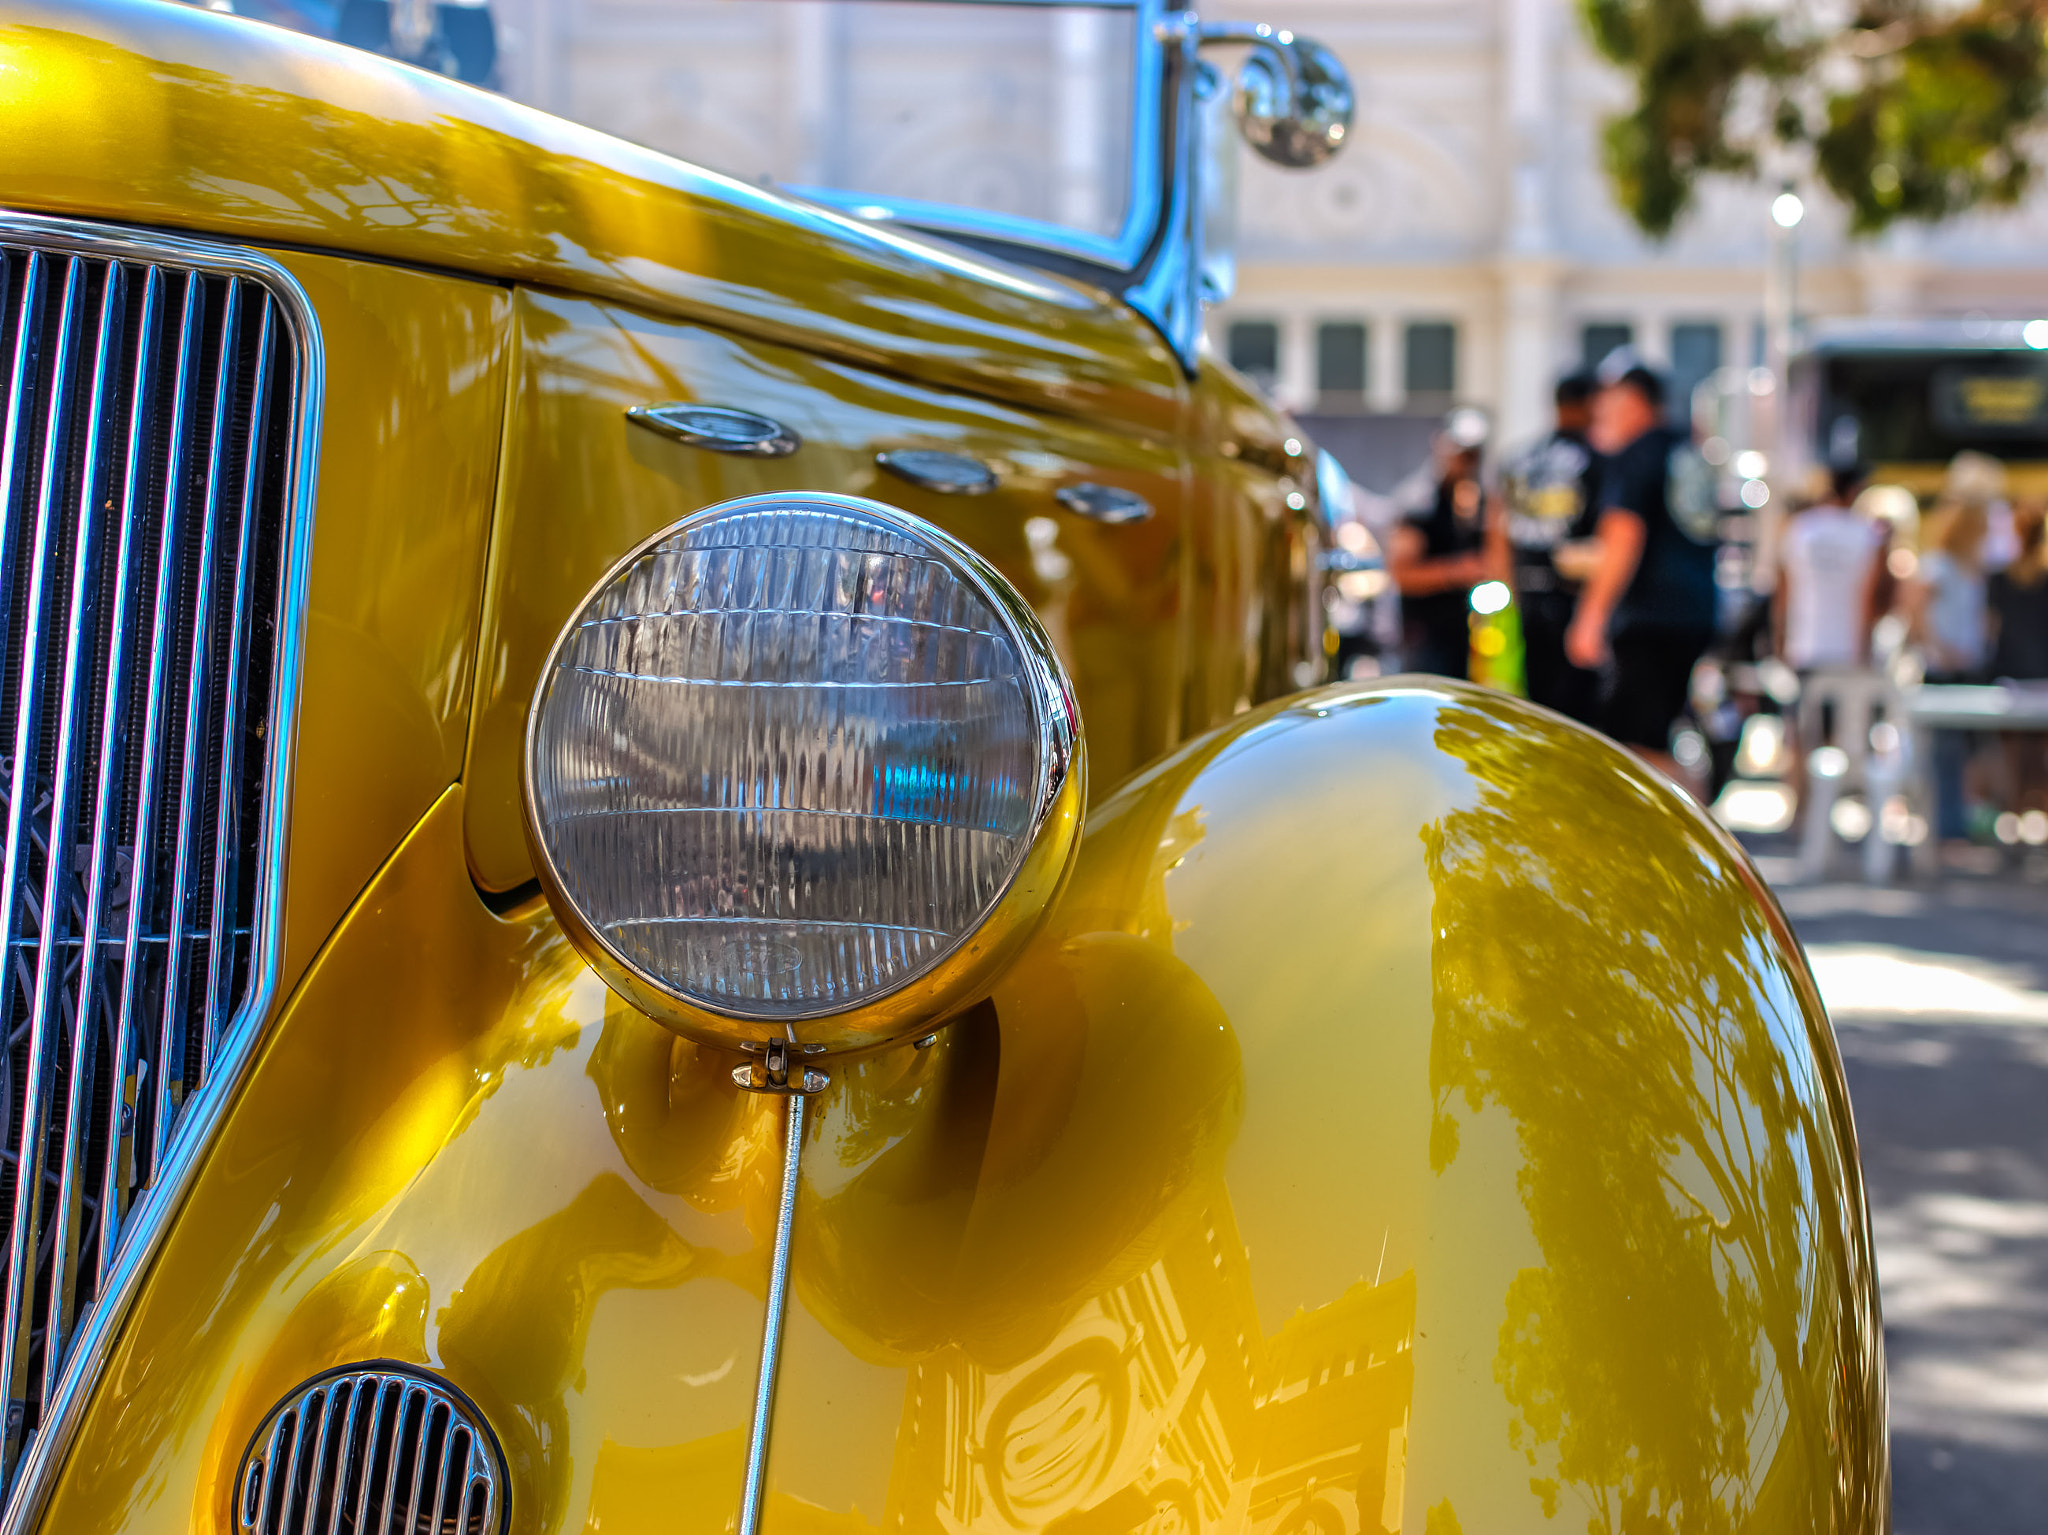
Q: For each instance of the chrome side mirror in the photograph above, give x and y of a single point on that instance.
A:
(1294, 97)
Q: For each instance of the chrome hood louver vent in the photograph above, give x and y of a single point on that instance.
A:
(155, 460)
(377, 1449)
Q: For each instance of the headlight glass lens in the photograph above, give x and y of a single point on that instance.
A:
(789, 756)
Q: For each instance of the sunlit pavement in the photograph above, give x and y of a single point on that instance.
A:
(1940, 1001)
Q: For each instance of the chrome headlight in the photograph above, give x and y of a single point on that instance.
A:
(802, 767)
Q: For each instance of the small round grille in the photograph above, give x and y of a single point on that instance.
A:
(375, 1449)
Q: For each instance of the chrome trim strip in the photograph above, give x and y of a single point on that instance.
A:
(939, 470)
(718, 428)
(751, 1494)
(65, 1407)
(1103, 503)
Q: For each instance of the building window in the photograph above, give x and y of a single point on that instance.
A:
(1596, 341)
(1695, 356)
(1341, 365)
(1429, 371)
(1253, 347)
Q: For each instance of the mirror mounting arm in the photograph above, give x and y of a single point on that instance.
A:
(1256, 34)
(1293, 100)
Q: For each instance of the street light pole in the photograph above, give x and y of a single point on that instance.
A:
(1781, 298)
(1781, 274)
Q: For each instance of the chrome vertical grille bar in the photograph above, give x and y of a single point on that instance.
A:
(381, 1387)
(430, 1410)
(17, 874)
(156, 457)
(107, 1213)
(345, 1459)
(450, 1436)
(60, 876)
(226, 845)
(322, 1457)
(125, 1108)
(391, 1487)
(22, 280)
(173, 1025)
(312, 1430)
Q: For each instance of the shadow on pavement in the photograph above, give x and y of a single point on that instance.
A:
(1998, 922)
(1952, 1116)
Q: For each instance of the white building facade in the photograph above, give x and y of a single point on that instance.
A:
(1465, 247)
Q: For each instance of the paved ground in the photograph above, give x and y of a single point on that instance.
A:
(1940, 1000)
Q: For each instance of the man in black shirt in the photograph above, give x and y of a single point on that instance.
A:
(1546, 502)
(1437, 555)
(1648, 604)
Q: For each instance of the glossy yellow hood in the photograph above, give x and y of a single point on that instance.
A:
(168, 115)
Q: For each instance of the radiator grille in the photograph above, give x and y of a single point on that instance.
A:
(144, 469)
(376, 1451)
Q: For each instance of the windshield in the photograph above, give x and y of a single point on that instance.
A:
(1008, 120)
(1022, 111)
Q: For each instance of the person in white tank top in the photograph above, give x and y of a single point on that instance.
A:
(1827, 582)
(1825, 607)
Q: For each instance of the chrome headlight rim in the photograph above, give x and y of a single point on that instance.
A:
(956, 978)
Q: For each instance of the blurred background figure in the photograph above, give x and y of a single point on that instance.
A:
(2017, 597)
(1828, 578)
(1438, 554)
(1648, 607)
(1544, 504)
(1945, 608)
(1829, 572)
(1979, 479)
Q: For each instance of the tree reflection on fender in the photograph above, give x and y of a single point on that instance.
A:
(1673, 1147)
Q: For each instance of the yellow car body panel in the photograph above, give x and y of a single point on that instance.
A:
(419, 365)
(177, 118)
(1335, 1160)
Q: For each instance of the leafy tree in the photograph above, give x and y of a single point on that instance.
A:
(1906, 109)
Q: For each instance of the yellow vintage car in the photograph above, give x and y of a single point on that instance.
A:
(674, 862)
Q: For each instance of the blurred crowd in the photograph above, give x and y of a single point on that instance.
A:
(1590, 570)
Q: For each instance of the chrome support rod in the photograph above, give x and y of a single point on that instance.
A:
(771, 1328)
